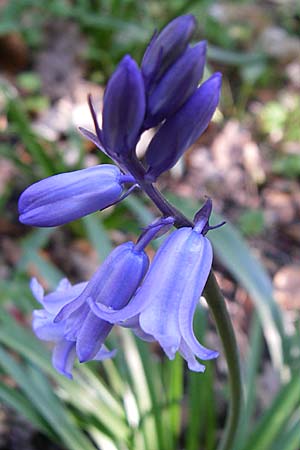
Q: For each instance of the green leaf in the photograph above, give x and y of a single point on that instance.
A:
(140, 388)
(252, 362)
(21, 123)
(20, 403)
(137, 207)
(273, 421)
(234, 58)
(97, 235)
(198, 388)
(87, 393)
(236, 256)
(290, 438)
(175, 395)
(45, 402)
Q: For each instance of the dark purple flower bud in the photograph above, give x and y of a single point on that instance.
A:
(181, 130)
(176, 86)
(68, 196)
(124, 108)
(166, 47)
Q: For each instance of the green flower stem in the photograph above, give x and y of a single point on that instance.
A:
(217, 305)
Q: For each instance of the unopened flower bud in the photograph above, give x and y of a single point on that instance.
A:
(68, 196)
(123, 108)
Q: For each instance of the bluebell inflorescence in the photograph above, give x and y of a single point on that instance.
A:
(157, 300)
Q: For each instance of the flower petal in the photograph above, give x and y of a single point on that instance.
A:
(69, 308)
(63, 357)
(91, 336)
(111, 315)
(188, 355)
(56, 300)
(104, 353)
(37, 290)
(44, 327)
(193, 290)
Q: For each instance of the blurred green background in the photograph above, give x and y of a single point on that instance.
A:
(52, 54)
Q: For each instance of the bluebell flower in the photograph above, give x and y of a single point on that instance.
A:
(165, 47)
(182, 129)
(166, 301)
(113, 285)
(176, 85)
(68, 196)
(64, 350)
(123, 109)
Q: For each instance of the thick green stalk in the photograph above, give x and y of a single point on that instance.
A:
(217, 305)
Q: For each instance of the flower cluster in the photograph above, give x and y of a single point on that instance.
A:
(156, 301)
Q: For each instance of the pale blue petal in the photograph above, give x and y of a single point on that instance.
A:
(56, 300)
(74, 322)
(190, 298)
(188, 355)
(69, 309)
(63, 357)
(91, 336)
(165, 285)
(44, 328)
(104, 353)
(63, 285)
(37, 290)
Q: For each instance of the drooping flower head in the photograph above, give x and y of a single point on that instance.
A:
(166, 301)
(67, 319)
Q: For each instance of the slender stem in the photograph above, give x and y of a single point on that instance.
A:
(217, 304)
(138, 172)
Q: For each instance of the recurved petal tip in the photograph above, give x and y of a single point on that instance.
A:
(63, 358)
